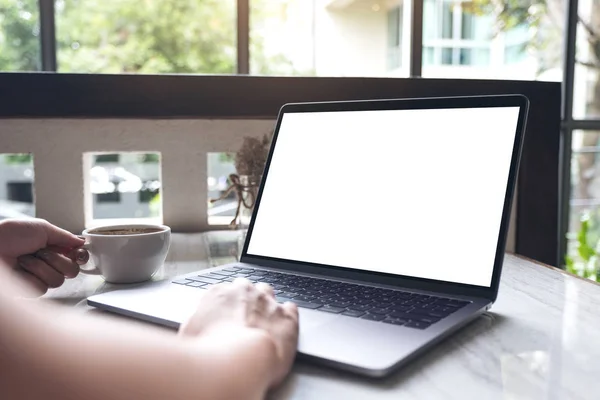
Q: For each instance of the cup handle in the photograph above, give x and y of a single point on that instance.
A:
(92, 269)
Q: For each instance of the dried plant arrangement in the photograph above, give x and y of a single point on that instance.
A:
(251, 157)
(249, 162)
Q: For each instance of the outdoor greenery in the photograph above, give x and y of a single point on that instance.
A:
(544, 20)
(107, 158)
(142, 36)
(19, 35)
(585, 262)
(149, 158)
(134, 36)
(226, 157)
(155, 205)
(24, 158)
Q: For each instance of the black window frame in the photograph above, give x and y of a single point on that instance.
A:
(415, 8)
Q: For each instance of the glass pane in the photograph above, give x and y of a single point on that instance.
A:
(394, 16)
(447, 56)
(19, 35)
(529, 45)
(468, 26)
(428, 55)
(430, 28)
(327, 38)
(394, 38)
(124, 36)
(125, 185)
(586, 101)
(585, 190)
(476, 27)
(474, 56)
(466, 57)
(447, 20)
(583, 240)
(585, 165)
(514, 54)
(16, 186)
(220, 166)
(583, 236)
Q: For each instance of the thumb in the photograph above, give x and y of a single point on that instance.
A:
(60, 237)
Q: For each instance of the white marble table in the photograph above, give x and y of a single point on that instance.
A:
(541, 340)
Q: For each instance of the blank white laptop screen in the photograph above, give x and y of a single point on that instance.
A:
(418, 193)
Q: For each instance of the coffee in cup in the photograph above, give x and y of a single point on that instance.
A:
(126, 253)
(124, 231)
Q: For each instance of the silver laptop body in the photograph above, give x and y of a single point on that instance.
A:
(385, 220)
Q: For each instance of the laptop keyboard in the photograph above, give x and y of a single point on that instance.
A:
(395, 307)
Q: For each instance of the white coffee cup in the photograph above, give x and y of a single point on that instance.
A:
(126, 253)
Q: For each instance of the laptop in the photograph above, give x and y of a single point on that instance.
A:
(385, 221)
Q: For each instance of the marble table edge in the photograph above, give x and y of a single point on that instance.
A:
(553, 268)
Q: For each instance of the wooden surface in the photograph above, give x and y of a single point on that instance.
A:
(540, 340)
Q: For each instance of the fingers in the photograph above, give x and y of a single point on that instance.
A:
(60, 237)
(244, 305)
(264, 297)
(44, 272)
(80, 256)
(46, 269)
(260, 286)
(32, 284)
(62, 264)
(260, 296)
(265, 288)
(285, 333)
(242, 282)
(291, 310)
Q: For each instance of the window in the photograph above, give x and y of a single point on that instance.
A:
(585, 194)
(326, 38)
(124, 185)
(446, 23)
(125, 36)
(146, 195)
(19, 35)
(452, 36)
(583, 231)
(515, 44)
(587, 73)
(394, 24)
(107, 158)
(108, 197)
(16, 186)
(220, 166)
(21, 192)
(461, 40)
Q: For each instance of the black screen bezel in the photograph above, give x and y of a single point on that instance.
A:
(491, 292)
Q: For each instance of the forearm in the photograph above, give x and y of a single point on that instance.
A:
(82, 357)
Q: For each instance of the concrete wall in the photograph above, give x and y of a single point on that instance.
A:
(61, 173)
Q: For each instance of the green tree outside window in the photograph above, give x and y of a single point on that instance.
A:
(18, 158)
(19, 35)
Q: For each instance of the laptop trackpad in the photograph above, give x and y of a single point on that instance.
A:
(311, 320)
(354, 342)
